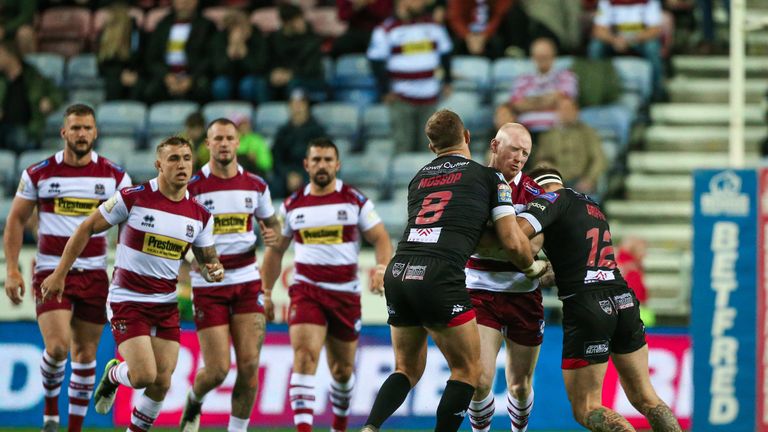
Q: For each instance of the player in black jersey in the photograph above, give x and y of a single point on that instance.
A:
(449, 201)
(601, 315)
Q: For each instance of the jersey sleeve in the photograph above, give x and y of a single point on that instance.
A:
(544, 210)
(264, 208)
(379, 46)
(501, 196)
(205, 238)
(124, 182)
(603, 15)
(652, 16)
(114, 210)
(286, 229)
(27, 188)
(368, 217)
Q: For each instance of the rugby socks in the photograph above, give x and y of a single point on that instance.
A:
(341, 395)
(302, 393)
(481, 413)
(453, 406)
(519, 411)
(391, 395)
(144, 414)
(81, 383)
(119, 375)
(237, 424)
(53, 374)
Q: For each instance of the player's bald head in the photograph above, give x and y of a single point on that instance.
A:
(514, 133)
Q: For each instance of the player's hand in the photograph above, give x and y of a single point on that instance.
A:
(377, 279)
(269, 308)
(53, 286)
(536, 270)
(548, 278)
(268, 234)
(14, 287)
(213, 272)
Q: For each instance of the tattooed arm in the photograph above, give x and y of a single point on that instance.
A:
(210, 267)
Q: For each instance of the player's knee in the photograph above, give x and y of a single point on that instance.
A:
(582, 409)
(142, 379)
(304, 359)
(248, 371)
(643, 401)
(520, 389)
(57, 350)
(341, 372)
(217, 373)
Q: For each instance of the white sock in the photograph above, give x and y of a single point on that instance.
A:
(119, 375)
(481, 413)
(52, 372)
(341, 396)
(81, 383)
(302, 393)
(237, 424)
(519, 411)
(194, 398)
(144, 414)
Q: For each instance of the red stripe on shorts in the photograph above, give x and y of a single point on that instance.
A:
(462, 318)
(573, 363)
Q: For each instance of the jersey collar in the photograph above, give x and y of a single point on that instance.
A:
(516, 179)
(155, 187)
(339, 184)
(206, 170)
(59, 156)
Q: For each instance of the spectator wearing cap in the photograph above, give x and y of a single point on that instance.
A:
(624, 27)
(290, 145)
(239, 57)
(177, 55)
(295, 56)
(361, 16)
(475, 24)
(406, 54)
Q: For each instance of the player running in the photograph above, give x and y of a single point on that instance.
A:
(325, 219)
(508, 305)
(66, 188)
(601, 315)
(236, 305)
(449, 201)
(160, 222)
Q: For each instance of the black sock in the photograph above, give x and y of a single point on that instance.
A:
(391, 395)
(453, 406)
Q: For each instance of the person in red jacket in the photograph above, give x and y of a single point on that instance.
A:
(361, 16)
(475, 23)
(630, 258)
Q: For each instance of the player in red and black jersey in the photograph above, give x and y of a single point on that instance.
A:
(601, 315)
(449, 201)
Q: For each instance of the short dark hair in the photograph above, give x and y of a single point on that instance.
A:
(195, 119)
(11, 48)
(289, 12)
(445, 129)
(222, 121)
(79, 110)
(174, 140)
(323, 142)
(543, 172)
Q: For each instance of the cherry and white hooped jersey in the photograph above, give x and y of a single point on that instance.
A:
(155, 235)
(494, 271)
(65, 196)
(234, 203)
(326, 230)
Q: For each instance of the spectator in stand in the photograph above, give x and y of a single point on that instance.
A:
(475, 25)
(535, 96)
(16, 24)
(290, 146)
(26, 97)
(574, 147)
(239, 58)
(560, 17)
(119, 54)
(707, 45)
(361, 16)
(630, 258)
(295, 56)
(254, 153)
(622, 28)
(177, 55)
(406, 52)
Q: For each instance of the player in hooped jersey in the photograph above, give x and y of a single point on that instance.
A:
(508, 304)
(325, 219)
(235, 305)
(160, 222)
(601, 315)
(66, 188)
(449, 202)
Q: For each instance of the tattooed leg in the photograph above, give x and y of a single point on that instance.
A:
(605, 420)
(661, 419)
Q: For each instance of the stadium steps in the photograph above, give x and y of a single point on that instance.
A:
(676, 188)
(703, 114)
(717, 66)
(698, 138)
(712, 90)
(647, 211)
(663, 261)
(664, 235)
(680, 162)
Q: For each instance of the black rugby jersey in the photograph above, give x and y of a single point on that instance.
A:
(449, 201)
(577, 240)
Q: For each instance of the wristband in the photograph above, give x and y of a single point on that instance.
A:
(535, 269)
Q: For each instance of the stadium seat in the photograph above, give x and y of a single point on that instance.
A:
(101, 16)
(635, 74)
(325, 21)
(405, 166)
(376, 121)
(64, 30)
(167, 118)
(471, 73)
(53, 122)
(505, 70)
(124, 118)
(116, 148)
(51, 65)
(344, 145)
(30, 157)
(353, 70)
(5, 208)
(610, 117)
(227, 109)
(339, 119)
(365, 169)
(270, 116)
(380, 148)
(266, 19)
(217, 15)
(83, 72)
(8, 162)
(501, 97)
(154, 16)
(394, 215)
(465, 104)
(141, 165)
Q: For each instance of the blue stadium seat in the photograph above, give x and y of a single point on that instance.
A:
(394, 215)
(8, 162)
(83, 72)
(635, 74)
(123, 118)
(49, 64)
(227, 109)
(141, 165)
(471, 73)
(380, 147)
(5, 208)
(167, 118)
(30, 157)
(405, 166)
(353, 70)
(465, 104)
(614, 117)
(376, 121)
(116, 148)
(365, 169)
(270, 116)
(338, 118)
